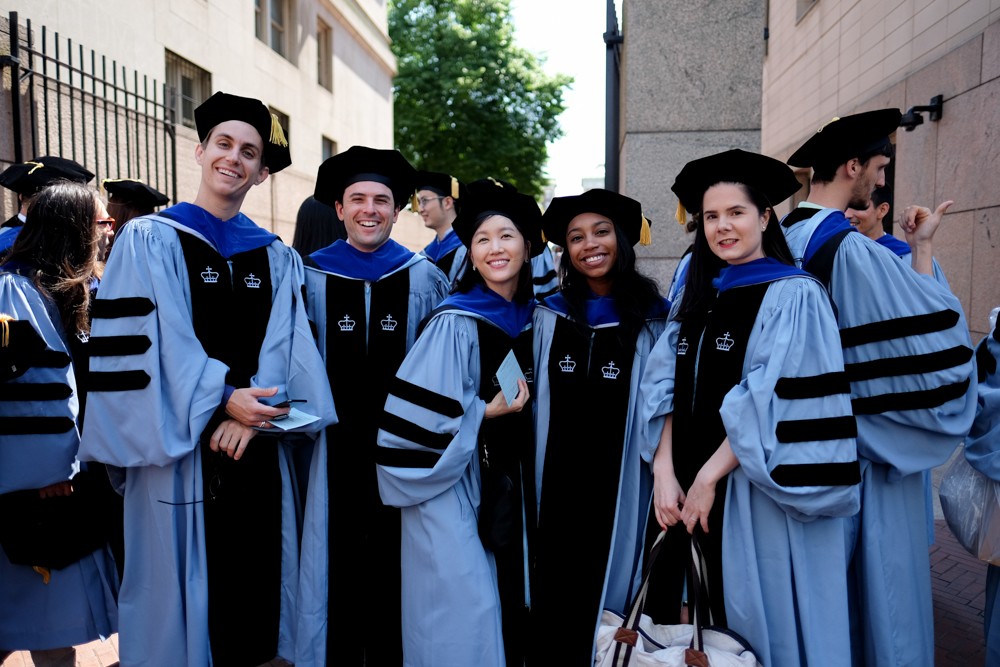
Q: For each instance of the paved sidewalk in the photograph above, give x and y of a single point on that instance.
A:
(958, 582)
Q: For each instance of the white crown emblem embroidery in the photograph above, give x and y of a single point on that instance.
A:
(389, 324)
(724, 342)
(346, 324)
(610, 371)
(82, 336)
(682, 347)
(567, 365)
(496, 381)
(209, 276)
(252, 281)
(529, 376)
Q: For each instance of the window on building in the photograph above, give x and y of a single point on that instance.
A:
(271, 23)
(329, 148)
(324, 55)
(803, 6)
(188, 86)
(284, 122)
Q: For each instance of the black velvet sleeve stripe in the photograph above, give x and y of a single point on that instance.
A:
(405, 458)
(909, 365)
(825, 428)
(814, 386)
(113, 346)
(899, 327)
(41, 391)
(545, 278)
(51, 359)
(129, 306)
(34, 425)
(417, 434)
(817, 474)
(986, 363)
(909, 400)
(117, 380)
(425, 398)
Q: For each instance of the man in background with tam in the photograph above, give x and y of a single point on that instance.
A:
(908, 358)
(200, 334)
(437, 198)
(26, 179)
(366, 295)
(130, 198)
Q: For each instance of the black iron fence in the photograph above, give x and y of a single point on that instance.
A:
(69, 101)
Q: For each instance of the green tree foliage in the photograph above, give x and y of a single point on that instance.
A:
(468, 100)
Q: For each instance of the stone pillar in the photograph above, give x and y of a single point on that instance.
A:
(691, 86)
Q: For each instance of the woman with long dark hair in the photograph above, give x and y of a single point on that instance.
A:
(591, 343)
(58, 589)
(455, 451)
(749, 426)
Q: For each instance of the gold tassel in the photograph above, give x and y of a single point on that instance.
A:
(681, 215)
(832, 120)
(277, 134)
(454, 188)
(5, 329)
(46, 574)
(38, 165)
(645, 237)
(414, 203)
(542, 233)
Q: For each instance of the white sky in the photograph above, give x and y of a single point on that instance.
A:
(568, 34)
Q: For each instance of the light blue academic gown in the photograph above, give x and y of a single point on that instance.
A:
(902, 250)
(543, 274)
(8, 235)
(428, 287)
(785, 549)
(437, 249)
(153, 433)
(908, 422)
(624, 571)
(451, 603)
(78, 604)
(982, 449)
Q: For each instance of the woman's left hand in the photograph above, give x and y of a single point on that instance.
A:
(698, 505)
(498, 406)
(232, 438)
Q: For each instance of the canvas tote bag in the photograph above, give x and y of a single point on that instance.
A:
(636, 641)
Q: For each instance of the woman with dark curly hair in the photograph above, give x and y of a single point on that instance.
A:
(59, 585)
(591, 344)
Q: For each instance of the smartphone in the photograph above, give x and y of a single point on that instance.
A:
(288, 403)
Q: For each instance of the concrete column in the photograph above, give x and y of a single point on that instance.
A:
(691, 86)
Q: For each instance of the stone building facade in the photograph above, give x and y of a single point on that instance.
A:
(703, 76)
(324, 65)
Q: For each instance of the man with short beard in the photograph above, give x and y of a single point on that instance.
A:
(908, 358)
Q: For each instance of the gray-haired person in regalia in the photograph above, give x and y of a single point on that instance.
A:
(200, 332)
(749, 427)
(913, 384)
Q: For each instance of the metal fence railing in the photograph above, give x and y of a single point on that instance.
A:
(70, 101)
